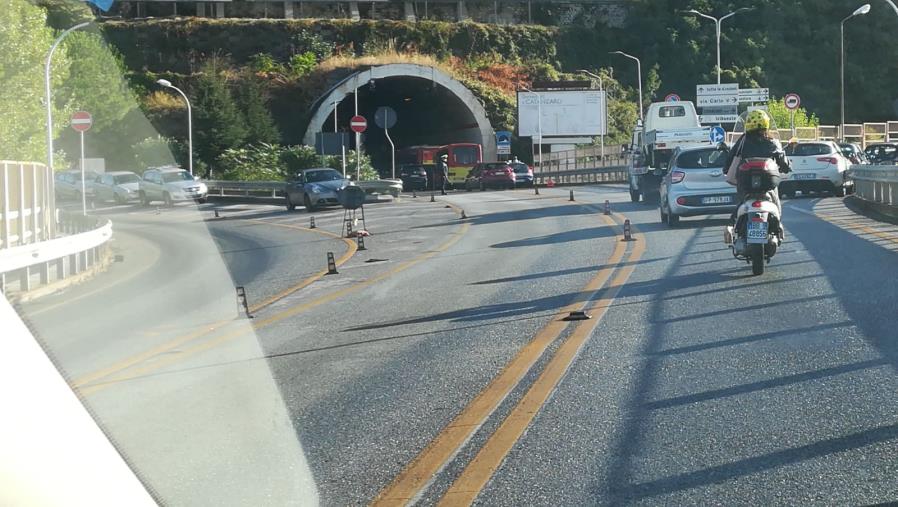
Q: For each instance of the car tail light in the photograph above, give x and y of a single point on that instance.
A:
(756, 204)
(681, 201)
(828, 160)
(677, 176)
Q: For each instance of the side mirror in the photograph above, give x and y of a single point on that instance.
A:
(723, 147)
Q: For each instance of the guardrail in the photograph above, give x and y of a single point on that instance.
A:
(614, 174)
(275, 189)
(26, 201)
(876, 184)
(82, 248)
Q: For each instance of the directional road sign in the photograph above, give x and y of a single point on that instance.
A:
(792, 101)
(503, 142)
(717, 89)
(358, 124)
(717, 135)
(385, 117)
(81, 121)
(732, 109)
(716, 100)
(672, 97)
(711, 119)
(754, 95)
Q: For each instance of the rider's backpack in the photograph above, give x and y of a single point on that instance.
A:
(758, 175)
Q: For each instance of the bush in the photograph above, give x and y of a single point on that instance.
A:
(156, 151)
(271, 162)
(302, 64)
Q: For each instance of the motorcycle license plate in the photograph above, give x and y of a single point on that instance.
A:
(757, 232)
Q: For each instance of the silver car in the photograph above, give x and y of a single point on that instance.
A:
(314, 188)
(695, 185)
(118, 186)
(170, 185)
(68, 184)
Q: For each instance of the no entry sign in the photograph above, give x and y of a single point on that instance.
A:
(358, 124)
(81, 121)
(792, 101)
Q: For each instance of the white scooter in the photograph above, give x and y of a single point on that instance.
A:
(758, 232)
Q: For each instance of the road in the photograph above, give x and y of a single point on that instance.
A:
(436, 366)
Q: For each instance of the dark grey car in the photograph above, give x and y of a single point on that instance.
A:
(313, 188)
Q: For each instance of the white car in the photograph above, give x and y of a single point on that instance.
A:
(170, 185)
(118, 186)
(817, 166)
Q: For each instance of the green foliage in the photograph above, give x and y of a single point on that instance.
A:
(302, 64)
(260, 127)
(25, 39)
(218, 122)
(155, 152)
(265, 63)
(307, 41)
(271, 162)
(781, 115)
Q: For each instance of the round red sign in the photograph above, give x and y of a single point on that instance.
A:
(358, 124)
(81, 121)
(792, 101)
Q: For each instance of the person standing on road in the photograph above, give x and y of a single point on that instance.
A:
(443, 167)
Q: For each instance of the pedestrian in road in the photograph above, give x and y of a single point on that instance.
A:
(443, 167)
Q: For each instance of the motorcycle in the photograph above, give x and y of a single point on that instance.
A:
(758, 232)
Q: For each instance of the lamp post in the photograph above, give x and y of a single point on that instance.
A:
(539, 125)
(864, 9)
(167, 84)
(717, 23)
(48, 96)
(604, 110)
(639, 76)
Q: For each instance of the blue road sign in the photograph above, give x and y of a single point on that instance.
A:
(717, 135)
(672, 97)
(503, 142)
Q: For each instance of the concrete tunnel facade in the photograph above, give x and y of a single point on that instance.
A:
(432, 109)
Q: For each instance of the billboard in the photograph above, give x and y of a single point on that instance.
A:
(564, 113)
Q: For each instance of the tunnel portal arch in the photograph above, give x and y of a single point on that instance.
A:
(433, 108)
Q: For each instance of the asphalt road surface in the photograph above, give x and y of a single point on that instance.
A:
(436, 366)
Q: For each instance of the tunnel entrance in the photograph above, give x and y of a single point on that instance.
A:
(432, 109)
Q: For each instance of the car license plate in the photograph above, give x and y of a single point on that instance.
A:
(720, 199)
(803, 176)
(757, 232)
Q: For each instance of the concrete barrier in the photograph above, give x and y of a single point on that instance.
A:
(877, 186)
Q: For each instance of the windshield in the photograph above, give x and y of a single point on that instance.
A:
(438, 253)
(176, 176)
(121, 179)
(808, 149)
(701, 159)
(317, 176)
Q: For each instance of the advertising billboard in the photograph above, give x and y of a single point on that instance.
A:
(563, 113)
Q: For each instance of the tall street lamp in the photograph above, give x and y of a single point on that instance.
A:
(167, 84)
(639, 76)
(717, 22)
(539, 124)
(48, 96)
(864, 9)
(604, 109)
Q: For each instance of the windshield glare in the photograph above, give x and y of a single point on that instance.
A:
(121, 179)
(319, 176)
(176, 176)
(809, 149)
(702, 159)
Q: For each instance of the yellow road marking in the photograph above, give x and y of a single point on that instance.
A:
(479, 471)
(260, 323)
(412, 480)
(128, 362)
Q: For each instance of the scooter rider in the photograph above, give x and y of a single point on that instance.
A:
(757, 142)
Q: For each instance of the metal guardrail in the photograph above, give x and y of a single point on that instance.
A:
(26, 201)
(876, 183)
(82, 248)
(274, 189)
(614, 174)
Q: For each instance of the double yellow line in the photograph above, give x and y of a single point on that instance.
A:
(414, 479)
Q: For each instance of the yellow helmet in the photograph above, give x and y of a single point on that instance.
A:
(757, 120)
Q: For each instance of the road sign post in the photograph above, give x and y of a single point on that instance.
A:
(358, 124)
(81, 123)
(792, 102)
(385, 118)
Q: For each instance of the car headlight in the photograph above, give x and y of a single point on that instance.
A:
(203, 188)
(315, 189)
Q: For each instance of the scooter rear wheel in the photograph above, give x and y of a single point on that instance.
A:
(757, 259)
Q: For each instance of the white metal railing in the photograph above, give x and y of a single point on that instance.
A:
(26, 203)
(876, 183)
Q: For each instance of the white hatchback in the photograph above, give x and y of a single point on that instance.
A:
(817, 166)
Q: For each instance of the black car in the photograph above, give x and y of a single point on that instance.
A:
(882, 153)
(853, 153)
(416, 176)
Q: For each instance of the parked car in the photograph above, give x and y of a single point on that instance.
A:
(170, 184)
(381, 186)
(694, 184)
(314, 188)
(68, 184)
(853, 153)
(490, 175)
(523, 174)
(118, 186)
(817, 166)
(415, 176)
(882, 153)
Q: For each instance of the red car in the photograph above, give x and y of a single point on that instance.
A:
(491, 175)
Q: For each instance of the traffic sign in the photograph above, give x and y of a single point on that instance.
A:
(82, 121)
(718, 135)
(732, 109)
(754, 95)
(792, 101)
(503, 142)
(358, 124)
(385, 117)
(710, 119)
(716, 100)
(672, 97)
(717, 89)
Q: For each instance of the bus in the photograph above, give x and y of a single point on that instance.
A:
(461, 158)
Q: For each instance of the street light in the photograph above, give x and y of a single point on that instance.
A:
(539, 124)
(893, 6)
(639, 75)
(167, 84)
(48, 95)
(717, 22)
(864, 9)
(604, 120)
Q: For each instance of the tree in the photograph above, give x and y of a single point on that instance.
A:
(780, 115)
(25, 40)
(260, 125)
(156, 151)
(217, 121)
